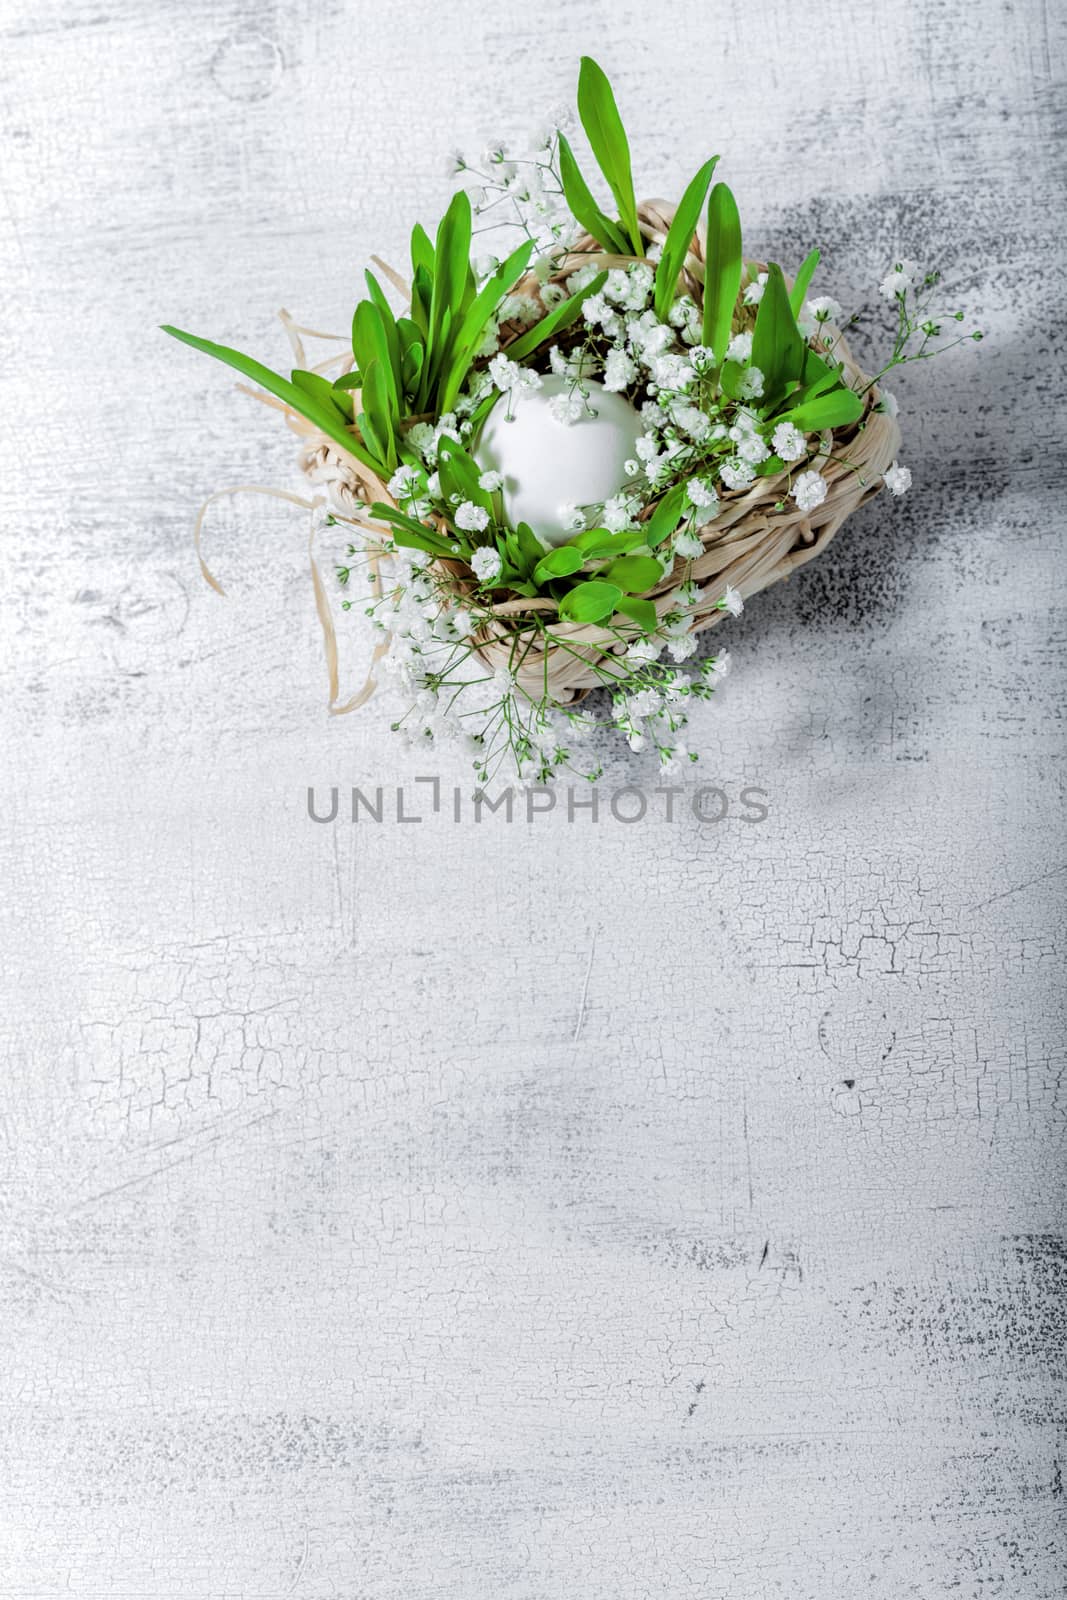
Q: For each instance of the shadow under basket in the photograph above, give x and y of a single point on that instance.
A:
(755, 539)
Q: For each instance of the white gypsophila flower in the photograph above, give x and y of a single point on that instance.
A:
(594, 309)
(731, 601)
(404, 483)
(572, 518)
(687, 546)
(700, 492)
(504, 373)
(463, 624)
(652, 415)
(566, 408)
(454, 162)
(471, 518)
(644, 651)
(736, 474)
(898, 479)
(716, 667)
(691, 420)
(619, 371)
(486, 564)
(902, 276)
(788, 442)
(645, 703)
(636, 741)
(552, 294)
(521, 308)
(809, 491)
(672, 372)
(447, 427)
(617, 515)
(887, 403)
(824, 308)
(753, 449)
(647, 446)
(750, 384)
(617, 286)
(681, 649)
(490, 481)
(503, 681)
(648, 336)
(420, 437)
(631, 467)
(682, 312)
(754, 291)
(581, 279)
(490, 341)
(740, 348)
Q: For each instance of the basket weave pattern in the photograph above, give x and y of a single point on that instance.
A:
(749, 544)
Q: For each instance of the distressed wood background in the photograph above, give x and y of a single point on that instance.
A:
(563, 1211)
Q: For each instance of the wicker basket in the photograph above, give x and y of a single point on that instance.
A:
(748, 545)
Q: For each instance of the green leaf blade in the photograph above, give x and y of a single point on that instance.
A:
(634, 574)
(607, 136)
(590, 602)
(777, 343)
(722, 275)
(326, 421)
(802, 282)
(580, 199)
(679, 238)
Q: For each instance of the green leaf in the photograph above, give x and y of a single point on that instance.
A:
(666, 516)
(777, 344)
(451, 266)
(679, 238)
(475, 319)
(590, 602)
(633, 574)
(375, 420)
(422, 252)
(722, 275)
(584, 208)
(643, 613)
(530, 545)
(599, 544)
(327, 421)
(392, 336)
(320, 389)
(607, 136)
(834, 410)
(416, 535)
(459, 474)
(802, 282)
(370, 346)
(558, 563)
(421, 296)
(560, 316)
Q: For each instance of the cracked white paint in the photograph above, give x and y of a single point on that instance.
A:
(565, 1212)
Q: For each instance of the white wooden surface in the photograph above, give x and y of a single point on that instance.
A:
(563, 1212)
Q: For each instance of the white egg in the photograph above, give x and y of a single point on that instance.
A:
(548, 465)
